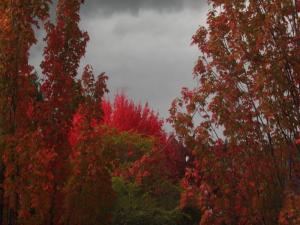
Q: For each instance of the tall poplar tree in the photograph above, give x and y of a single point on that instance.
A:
(66, 45)
(17, 91)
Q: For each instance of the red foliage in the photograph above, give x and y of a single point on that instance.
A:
(167, 157)
(65, 47)
(164, 161)
(247, 95)
(126, 116)
(89, 193)
(17, 95)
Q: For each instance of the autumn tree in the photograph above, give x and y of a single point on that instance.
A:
(89, 194)
(242, 119)
(17, 93)
(65, 46)
(167, 156)
(158, 163)
(140, 119)
(145, 157)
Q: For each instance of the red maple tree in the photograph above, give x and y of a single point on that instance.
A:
(242, 119)
(17, 95)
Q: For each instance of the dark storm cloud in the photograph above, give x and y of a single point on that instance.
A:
(106, 7)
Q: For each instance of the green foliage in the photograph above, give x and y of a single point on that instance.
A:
(134, 206)
(119, 144)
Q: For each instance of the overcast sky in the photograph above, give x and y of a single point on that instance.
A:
(143, 46)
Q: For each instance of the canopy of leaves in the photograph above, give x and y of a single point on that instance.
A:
(247, 99)
(135, 207)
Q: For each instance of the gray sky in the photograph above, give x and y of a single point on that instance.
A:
(143, 46)
(109, 7)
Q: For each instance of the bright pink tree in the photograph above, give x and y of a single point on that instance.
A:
(125, 115)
